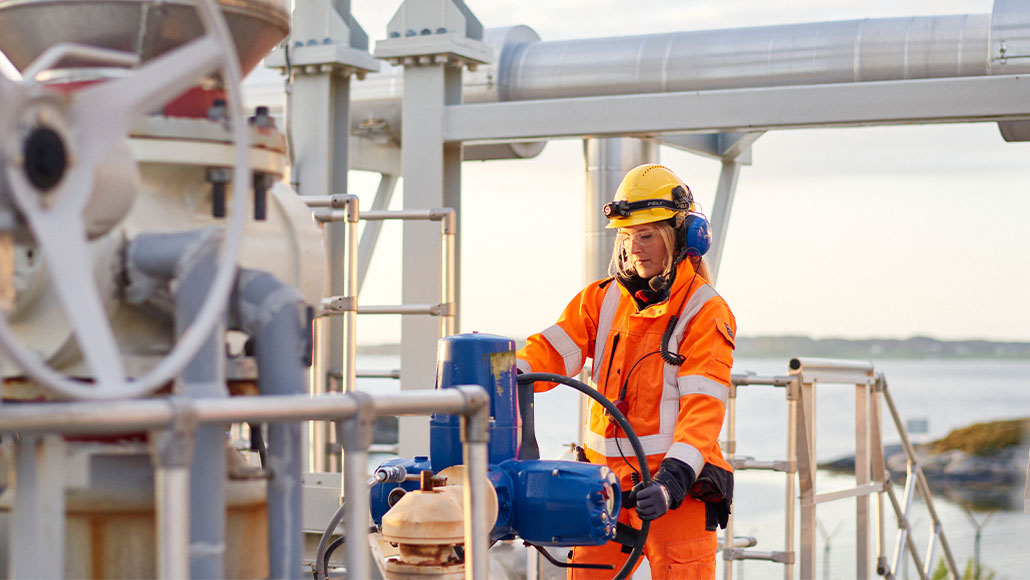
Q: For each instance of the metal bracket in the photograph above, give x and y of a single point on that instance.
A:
(173, 447)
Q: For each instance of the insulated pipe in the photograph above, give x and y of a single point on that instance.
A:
(271, 313)
(191, 259)
(794, 54)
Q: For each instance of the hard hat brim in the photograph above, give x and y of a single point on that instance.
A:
(644, 216)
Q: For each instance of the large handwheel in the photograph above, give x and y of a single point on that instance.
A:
(51, 150)
(634, 441)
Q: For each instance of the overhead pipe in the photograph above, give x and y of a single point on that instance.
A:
(872, 49)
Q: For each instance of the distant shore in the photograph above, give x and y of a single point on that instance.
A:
(917, 347)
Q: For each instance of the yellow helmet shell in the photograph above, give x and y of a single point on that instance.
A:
(646, 182)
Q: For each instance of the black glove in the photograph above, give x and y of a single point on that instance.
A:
(652, 501)
(674, 478)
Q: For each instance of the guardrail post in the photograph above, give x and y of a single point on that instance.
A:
(356, 435)
(475, 433)
(171, 452)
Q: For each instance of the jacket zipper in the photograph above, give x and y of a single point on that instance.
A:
(611, 359)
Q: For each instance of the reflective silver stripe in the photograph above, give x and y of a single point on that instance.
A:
(652, 444)
(523, 366)
(604, 326)
(701, 385)
(566, 347)
(702, 295)
(687, 454)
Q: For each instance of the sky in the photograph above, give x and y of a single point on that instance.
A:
(861, 232)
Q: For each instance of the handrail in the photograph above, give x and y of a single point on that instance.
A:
(178, 417)
(329, 209)
(871, 474)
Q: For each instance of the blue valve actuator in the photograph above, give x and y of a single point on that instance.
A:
(549, 503)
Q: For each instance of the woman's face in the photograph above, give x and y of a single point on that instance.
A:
(645, 249)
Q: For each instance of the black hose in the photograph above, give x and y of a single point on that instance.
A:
(638, 450)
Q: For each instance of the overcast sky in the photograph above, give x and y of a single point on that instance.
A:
(865, 232)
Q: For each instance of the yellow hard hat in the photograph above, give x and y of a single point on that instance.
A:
(648, 193)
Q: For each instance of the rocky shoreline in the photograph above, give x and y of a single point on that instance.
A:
(986, 475)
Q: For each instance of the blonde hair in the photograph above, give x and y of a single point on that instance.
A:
(619, 265)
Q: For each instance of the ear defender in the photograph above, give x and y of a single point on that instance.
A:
(696, 233)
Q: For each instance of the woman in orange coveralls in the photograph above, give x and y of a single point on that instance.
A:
(661, 340)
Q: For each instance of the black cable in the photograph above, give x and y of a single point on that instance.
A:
(329, 553)
(676, 359)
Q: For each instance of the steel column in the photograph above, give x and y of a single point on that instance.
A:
(722, 207)
(319, 116)
(432, 178)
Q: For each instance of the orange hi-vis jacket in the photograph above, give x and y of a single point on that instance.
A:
(676, 411)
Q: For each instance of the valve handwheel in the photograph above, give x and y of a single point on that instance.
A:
(51, 149)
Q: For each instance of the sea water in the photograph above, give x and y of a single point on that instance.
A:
(946, 394)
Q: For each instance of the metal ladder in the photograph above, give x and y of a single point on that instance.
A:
(871, 475)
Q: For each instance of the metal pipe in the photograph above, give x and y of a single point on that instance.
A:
(97, 418)
(805, 365)
(748, 379)
(448, 274)
(731, 433)
(793, 392)
(335, 201)
(474, 437)
(172, 491)
(270, 312)
(923, 486)
(191, 259)
(432, 309)
(379, 374)
(793, 54)
(350, 319)
(356, 435)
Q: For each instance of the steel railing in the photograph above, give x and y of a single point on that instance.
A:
(872, 477)
(171, 423)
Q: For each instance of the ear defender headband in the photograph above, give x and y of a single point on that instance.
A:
(694, 230)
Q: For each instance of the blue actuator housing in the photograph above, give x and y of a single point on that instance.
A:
(548, 503)
(476, 359)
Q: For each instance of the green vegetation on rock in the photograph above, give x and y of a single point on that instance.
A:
(985, 439)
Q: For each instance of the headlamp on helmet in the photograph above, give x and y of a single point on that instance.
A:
(648, 193)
